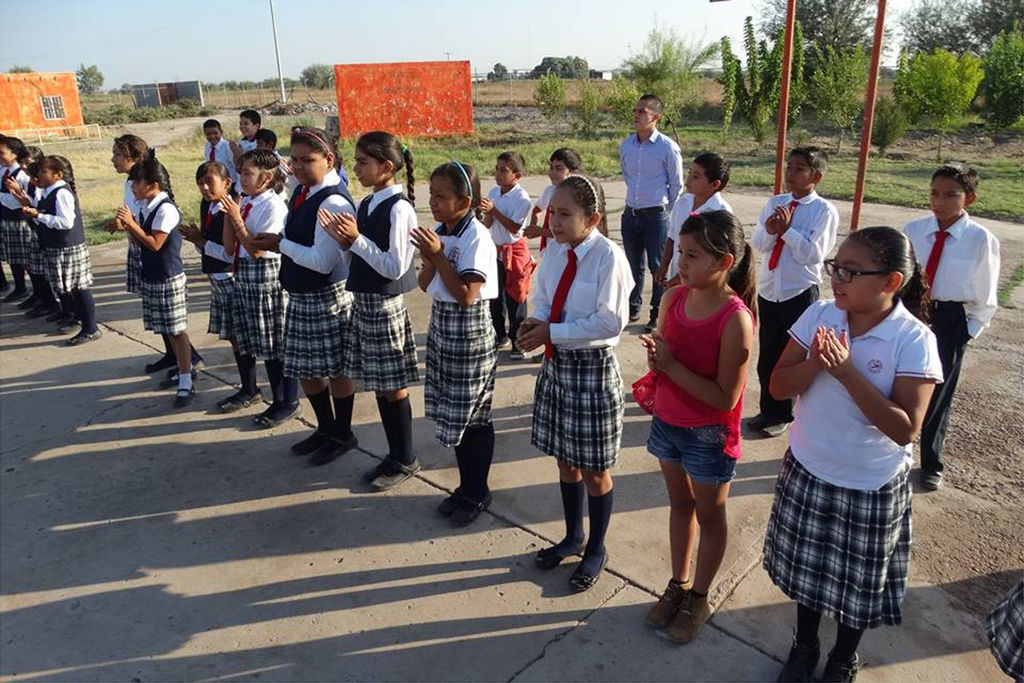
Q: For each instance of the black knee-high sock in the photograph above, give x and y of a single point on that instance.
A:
(386, 422)
(600, 512)
(86, 310)
(36, 288)
(808, 621)
(289, 390)
(573, 494)
(3, 277)
(168, 349)
(67, 304)
(246, 372)
(401, 416)
(19, 278)
(44, 292)
(847, 640)
(343, 415)
(477, 450)
(284, 390)
(321, 403)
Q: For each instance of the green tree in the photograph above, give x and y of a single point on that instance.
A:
(587, 113)
(565, 67)
(19, 69)
(318, 76)
(667, 67)
(1004, 79)
(757, 90)
(992, 17)
(836, 90)
(939, 87)
(498, 73)
(621, 97)
(550, 95)
(729, 79)
(90, 80)
(889, 126)
(934, 24)
(839, 24)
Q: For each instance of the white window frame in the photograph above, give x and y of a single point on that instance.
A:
(53, 107)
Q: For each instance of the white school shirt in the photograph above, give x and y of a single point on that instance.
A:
(471, 252)
(129, 198)
(545, 199)
(215, 250)
(19, 174)
(830, 436)
(64, 216)
(224, 156)
(514, 204)
(969, 269)
(392, 263)
(809, 239)
(680, 212)
(325, 255)
(167, 216)
(268, 214)
(596, 309)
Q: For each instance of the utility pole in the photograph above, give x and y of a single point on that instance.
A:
(277, 52)
(448, 56)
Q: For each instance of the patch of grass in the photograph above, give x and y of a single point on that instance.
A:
(1011, 284)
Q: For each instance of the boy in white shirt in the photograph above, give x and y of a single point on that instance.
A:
(961, 263)
(505, 211)
(221, 150)
(794, 234)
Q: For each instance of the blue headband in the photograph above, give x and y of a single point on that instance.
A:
(465, 175)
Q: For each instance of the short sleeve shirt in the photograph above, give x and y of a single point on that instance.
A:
(470, 251)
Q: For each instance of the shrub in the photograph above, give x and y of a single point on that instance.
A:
(621, 98)
(1004, 79)
(587, 113)
(890, 124)
(550, 95)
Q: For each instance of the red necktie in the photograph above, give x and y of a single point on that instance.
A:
(213, 152)
(7, 174)
(208, 218)
(561, 294)
(773, 260)
(544, 238)
(935, 255)
(300, 197)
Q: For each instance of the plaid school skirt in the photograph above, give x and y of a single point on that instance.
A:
(36, 259)
(259, 309)
(68, 268)
(382, 349)
(1005, 630)
(17, 241)
(317, 327)
(164, 305)
(222, 303)
(840, 551)
(461, 365)
(133, 269)
(578, 407)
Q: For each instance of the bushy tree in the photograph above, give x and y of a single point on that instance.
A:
(90, 80)
(550, 95)
(729, 80)
(1004, 79)
(836, 90)
(839, 24)
(890, 124)
(565, 67)
(992, 17)
(20, 69)
(933, 24)
(621, 97)
(667, 67)
(587, 113)
(757, 89)
(498, 73)
(318, 76)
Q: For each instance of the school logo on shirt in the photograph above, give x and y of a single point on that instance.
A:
(874, 366)
(453, 257)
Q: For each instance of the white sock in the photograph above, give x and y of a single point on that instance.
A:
(184, 380)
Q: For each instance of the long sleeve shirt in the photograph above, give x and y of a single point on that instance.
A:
(653, 171)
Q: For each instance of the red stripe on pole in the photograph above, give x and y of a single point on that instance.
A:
(787, 67)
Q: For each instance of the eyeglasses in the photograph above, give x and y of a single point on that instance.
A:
(847, 274)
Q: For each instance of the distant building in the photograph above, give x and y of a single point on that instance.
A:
(32, 101)
(601, 75)
(161, 94)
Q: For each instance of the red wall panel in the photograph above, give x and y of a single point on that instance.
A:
(21, 105)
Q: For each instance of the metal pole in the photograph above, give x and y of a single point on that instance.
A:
(277, 53)
(787, 67)
(869, 116)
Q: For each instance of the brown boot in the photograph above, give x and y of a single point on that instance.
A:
(662, 613)
(690, 617)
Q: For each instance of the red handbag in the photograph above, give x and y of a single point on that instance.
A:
(644, 390)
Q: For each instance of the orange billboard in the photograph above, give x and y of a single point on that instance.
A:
(428, 99)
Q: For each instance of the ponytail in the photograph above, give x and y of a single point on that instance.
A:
(914, 294)
(720, 233)
(410, 179)
(743, 279)
(894, 253)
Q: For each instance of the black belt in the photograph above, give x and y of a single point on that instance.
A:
(948, 305)
(649, 211)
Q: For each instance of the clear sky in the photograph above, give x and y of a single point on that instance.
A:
(134, 41)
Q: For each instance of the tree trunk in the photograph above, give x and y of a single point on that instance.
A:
(938, 158)
(839, 142)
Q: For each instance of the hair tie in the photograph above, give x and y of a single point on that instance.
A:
(466, 176)
(694, 214)
(405, 149)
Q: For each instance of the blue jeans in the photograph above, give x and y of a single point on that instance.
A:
(698, 450)
(640, 234)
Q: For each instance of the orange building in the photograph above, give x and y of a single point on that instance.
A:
(35, 100)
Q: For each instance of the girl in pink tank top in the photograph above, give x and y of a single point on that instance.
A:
(700, 354)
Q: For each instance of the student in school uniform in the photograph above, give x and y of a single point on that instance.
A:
(42, 302)
(318, 317)
(17, 235)
(58, 218)
(382, 348)
(249, 122)
(1004, 627)
(164, 300)
(794, 234)
(220, 150)
(862, 369)
(505, 210)
(707, 177)
(562, 163)
(961, 262)
(261, 302)
(581, 306)
(460, 273)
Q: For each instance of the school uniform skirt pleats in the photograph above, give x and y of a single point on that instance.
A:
(36, 259)
(68, 268)
(317, 328)
(840, 551)
(165, 305)
(133, 269)
(17, 241)
(222, 303)
(259, 310)
(1005, 629)
(461, 365)
(578, 408)
(382, 352)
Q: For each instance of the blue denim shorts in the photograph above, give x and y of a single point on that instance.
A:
(698, 450)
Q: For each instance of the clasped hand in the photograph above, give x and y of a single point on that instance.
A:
(533, 334)
(341, 226)
(832, 352)
(659, 355)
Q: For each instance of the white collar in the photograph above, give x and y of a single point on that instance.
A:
(47, 191)
(330, 179)
(155, 200)
(956, 230)
(812, 196)
(381, 195)
(885, 330)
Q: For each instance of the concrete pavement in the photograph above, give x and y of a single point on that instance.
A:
(142, 543)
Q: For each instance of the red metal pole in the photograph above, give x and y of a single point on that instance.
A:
(787, 67)
(869, 116)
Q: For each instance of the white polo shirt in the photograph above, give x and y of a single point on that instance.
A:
(830, 436)
(470, 251)
(809, 239)
(268, 214)
(969, 269)
(167, 216)
(680, 212)
(514, 204)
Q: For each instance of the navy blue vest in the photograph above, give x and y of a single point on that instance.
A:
(11, 214)
(164, 264)
(376, 227)
(49, 237)
(214, 232)
(301, 228)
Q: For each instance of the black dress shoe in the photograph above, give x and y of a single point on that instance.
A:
(311, 444)
(40, 311)
(28, 303)
(184, 397)
(68, 325)
(84, 338)
(166, 361)
(15, 295)
(57, 314)
(332, 449)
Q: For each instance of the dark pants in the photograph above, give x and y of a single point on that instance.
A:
(504, 304)
(773, 323)
(644, 234)
(949, 323)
